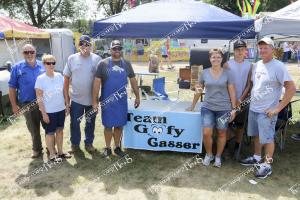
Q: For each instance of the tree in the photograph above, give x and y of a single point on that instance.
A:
(266, 5)
(112, 7)
(41, 13)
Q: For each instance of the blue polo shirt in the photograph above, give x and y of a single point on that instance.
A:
(23, 77)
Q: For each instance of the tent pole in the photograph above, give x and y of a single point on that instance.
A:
(10, 51)
(16, 48)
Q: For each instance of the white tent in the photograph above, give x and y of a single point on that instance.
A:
(61, 46)
(282, 23)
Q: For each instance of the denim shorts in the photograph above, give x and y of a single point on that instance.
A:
(259, 124)
(211, 119)
(57, 121)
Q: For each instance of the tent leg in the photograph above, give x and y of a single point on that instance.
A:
(10, 52)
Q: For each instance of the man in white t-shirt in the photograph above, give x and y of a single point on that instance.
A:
(269, 76)
(286, 52)
(240, 69)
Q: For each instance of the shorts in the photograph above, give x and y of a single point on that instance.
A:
(259, 124)
(241, 118)
(211, 119)
(164, 56)
(57, 122)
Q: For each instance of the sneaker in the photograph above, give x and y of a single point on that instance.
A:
(250, 161)
(207, 160)
(90, 148)
(218, 163)
(296, 137)
(107, 152)
(118, 151)
(263, 170)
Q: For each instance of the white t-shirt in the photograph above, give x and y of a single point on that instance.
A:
(286, 47)
(268, 80)
(240, 73)
(52, 87)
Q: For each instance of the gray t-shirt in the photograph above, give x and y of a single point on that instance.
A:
(216, 91)
(240, 73)
(268, 80)
(82, 71)
(102, 71)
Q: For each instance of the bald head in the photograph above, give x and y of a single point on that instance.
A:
(28, 47)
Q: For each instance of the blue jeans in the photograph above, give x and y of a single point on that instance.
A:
(76, 112)
(211, 119)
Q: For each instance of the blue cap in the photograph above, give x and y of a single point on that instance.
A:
(85, 38)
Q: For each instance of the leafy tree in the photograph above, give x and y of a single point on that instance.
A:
(41, 13)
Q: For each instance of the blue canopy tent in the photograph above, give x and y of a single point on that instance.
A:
(2, 36)
(177, 19)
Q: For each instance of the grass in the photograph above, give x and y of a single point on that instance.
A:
(74, 178)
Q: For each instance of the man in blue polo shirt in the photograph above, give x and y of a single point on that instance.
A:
(21, 92)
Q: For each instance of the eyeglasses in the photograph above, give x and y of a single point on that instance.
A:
(85, 44)
(50, 63)
(117, 48)
(29, 52)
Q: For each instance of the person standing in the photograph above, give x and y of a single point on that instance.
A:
(111, 78)
(286, 52)
(241, 71)
(79, 72)
(269, 76)
(21, 91)
(219, 100)
(49, 91)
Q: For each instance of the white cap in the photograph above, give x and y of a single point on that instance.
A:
(268, 41)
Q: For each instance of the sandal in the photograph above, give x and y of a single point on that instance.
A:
(64, 156)
(55, 159)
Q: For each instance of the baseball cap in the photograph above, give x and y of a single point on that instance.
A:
(239, 44)
(115, 43)
(267, 40)
(85, 38)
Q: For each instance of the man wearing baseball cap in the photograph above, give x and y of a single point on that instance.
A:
(80, 72)
(111, 77)
(240, 69)
(269, 76)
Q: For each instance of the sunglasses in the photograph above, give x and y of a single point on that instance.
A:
(29, 52)
(85, 44)
(117, 48)
(50, 63)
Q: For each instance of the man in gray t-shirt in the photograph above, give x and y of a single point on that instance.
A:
(269, 76)
(80, 72)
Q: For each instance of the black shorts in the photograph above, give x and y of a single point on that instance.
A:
(57, 121)
(241, 118)
(164, 56)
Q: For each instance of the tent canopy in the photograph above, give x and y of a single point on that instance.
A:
(177, 19)
(13, 29)
(285, 21)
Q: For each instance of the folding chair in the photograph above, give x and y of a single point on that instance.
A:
(159, 88)
(284, 116)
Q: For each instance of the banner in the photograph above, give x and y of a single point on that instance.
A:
(163, 131)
